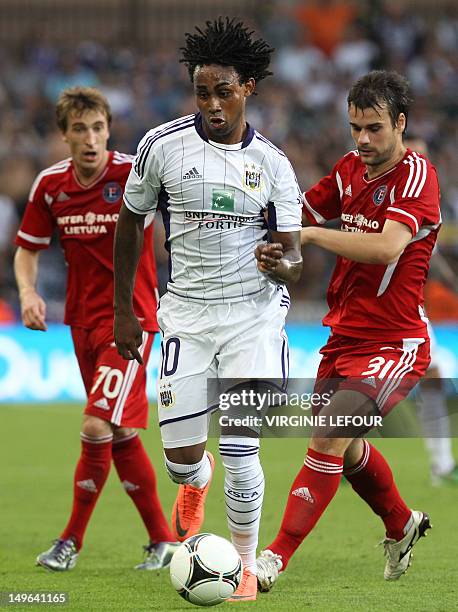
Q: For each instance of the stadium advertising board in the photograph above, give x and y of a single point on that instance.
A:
(40, 367)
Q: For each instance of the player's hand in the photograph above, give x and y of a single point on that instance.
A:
(268, 256)
(33, 310)
(128, 336)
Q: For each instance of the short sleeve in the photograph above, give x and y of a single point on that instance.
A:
(322, 202)
(415, 199)
(37, 225)
(144, 183)
(284, 208)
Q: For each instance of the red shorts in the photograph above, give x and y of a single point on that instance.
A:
(386, 371)
(116, 388)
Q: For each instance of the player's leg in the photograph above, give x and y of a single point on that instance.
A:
(91, 471)
(138, 478)
(372, 479)
(434, 418)
(393, 370)
(256, 347)
(90, 476)
(118, 394)
(312, 490)
(187, 362)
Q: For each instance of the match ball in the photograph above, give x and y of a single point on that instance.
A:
(206, 569)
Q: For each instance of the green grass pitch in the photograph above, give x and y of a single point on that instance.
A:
(338, 567)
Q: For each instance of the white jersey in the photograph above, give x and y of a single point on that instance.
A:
(213, 199)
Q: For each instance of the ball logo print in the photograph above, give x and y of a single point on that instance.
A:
(206, 570)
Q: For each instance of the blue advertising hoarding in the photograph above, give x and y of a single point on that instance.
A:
(41, 366)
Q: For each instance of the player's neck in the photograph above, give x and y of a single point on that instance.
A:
(86, 176)
(375, 171)
(236, 136)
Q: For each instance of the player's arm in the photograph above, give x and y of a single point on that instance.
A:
(377, 248)
(33, 307)
(281, 259)
(128, 245)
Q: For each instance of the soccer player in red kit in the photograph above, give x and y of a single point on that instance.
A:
(387, 199)
(80, 197)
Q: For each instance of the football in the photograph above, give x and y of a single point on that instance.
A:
(206, 569)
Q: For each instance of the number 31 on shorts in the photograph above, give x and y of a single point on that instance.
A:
(375, 367)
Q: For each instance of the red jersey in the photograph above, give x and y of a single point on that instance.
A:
(367, 300)
(85, 217)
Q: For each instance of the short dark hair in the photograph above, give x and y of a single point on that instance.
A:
(80, 99)
(380, 87)
(227, 43)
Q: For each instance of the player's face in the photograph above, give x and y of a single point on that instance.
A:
(378, 142)
(221, 101)
(87, 135)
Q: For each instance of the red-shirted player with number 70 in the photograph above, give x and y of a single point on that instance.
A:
(387, 199)
(81, 197)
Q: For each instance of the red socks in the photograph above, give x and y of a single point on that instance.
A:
(139, 480)
(136, 474)
(373, 480)
(90, 476)
(312, 490)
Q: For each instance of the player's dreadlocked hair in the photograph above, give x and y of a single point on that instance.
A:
(227, 43)
(382, 87)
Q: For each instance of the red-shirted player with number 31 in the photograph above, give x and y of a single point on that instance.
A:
(81, 197)
(387, 198)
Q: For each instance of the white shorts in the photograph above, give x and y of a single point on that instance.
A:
(208, 341)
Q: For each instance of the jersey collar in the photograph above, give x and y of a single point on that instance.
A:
(369, 181)
(219, 145)
(98, 178)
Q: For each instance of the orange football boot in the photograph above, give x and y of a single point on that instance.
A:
(247, 589)
(188, 509)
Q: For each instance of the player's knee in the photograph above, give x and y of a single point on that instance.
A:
(95, 427)
(354, 453)
(330, 446)
(120, 433)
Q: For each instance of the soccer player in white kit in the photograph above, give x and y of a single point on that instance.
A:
(222, 189)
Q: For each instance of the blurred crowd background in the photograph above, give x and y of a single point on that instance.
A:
(130, 51)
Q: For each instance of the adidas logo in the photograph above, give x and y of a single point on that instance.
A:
(304, 493)
(62, 197)
(102, 403)
(348, 191)
(88, 485)
(192, 174)
(370, 380)
(129, 486)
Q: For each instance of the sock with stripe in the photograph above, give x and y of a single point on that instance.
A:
(90, 476)
(195, 474)
(244, 493)
(313, 489)
(138, 478)
(373, 480)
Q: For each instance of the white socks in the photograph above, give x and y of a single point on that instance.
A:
(433, 415)
(244, 492)
(196, 474)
